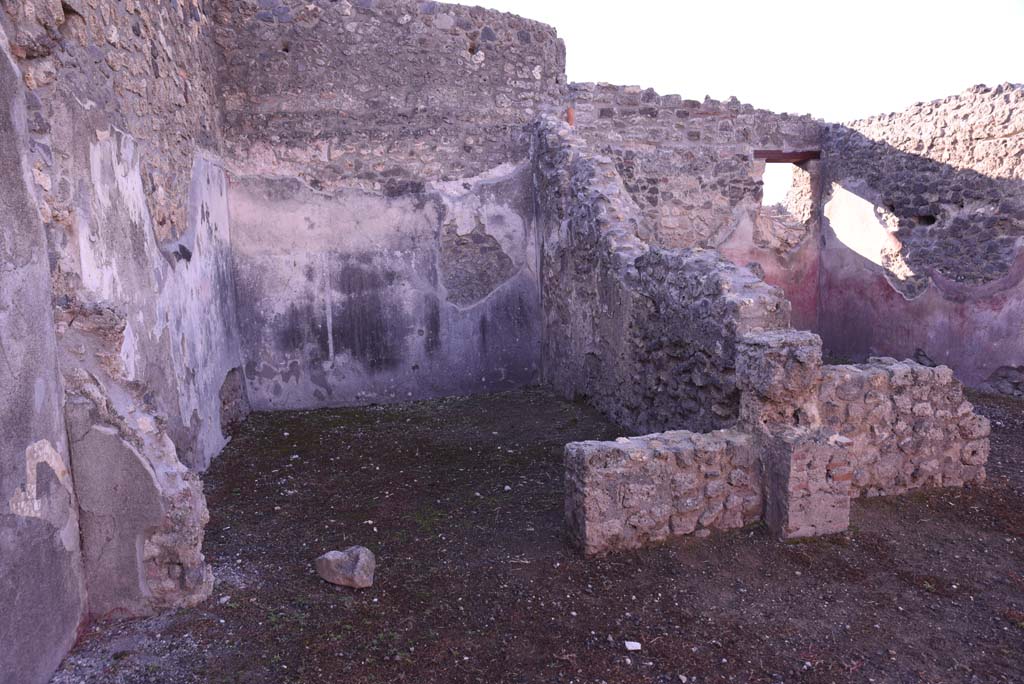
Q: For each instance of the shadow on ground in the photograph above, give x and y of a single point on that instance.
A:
(461, 500)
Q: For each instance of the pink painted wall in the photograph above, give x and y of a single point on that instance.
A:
(796, 273)
(974, 329)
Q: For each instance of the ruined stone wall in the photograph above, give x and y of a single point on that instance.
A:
(642, 490)
(809, 438)
(381, 95)
(121, 127)
(382, 199)
(144, 68)
(648, 335)
(910, 425)
(690, 168)
(924, 216)
(323, 202)
(123, 124)
(41, 578)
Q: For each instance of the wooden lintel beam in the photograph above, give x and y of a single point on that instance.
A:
(788, 157)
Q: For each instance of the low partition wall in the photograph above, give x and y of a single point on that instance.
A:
(885, 428)
(640, 490)
(910, 426)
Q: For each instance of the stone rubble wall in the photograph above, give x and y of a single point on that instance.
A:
(381, 95)
(646, 334)
(641, 490)
(684, 338)
(950, 181)
(910, 426)
(810, 438)
(690, 168)
(141, 67)
(923, 223)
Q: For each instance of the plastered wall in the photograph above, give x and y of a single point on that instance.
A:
(132, 312)
(383, 225)
(354, 297)
(40, 558)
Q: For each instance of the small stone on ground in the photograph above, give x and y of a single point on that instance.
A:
(352, 567)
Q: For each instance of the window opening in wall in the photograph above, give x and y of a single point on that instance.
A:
(788, 198)
(777, 179)
(784, 226)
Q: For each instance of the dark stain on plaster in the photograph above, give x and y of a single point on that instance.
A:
(296, 326)
(368, 319)
(355, 280)
(433, 325)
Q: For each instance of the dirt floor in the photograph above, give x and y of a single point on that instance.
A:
(1007, 416)
(461, 500)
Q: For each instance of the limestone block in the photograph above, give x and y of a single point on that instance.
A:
(779, 374)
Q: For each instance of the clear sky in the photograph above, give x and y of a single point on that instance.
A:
(836, 60)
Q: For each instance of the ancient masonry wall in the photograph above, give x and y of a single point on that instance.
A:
(123, 127)
(40, 560)
(923, 221)
(910, 426)
(810, 438)
(642, 490)
(300, 203)
(803, 439)
(690, 168)
(381, 194)
(119, 130)
(645, 334)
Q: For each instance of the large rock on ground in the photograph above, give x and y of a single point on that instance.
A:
(352, 567)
